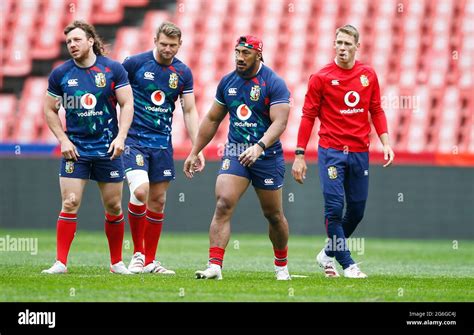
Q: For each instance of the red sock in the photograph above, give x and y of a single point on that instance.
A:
(216, 255)
(114, 229)
(65, 230)
(136, 218)
(281, 256)
(153, 224)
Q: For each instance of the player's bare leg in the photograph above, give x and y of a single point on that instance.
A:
(111, 194)
(271, 203)
(71, 195)
(229, 189)
(157, 196)
(153, 225)
(114, 224)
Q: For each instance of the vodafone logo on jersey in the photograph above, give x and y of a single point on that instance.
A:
(158, 97)
(243, 112)
(88, 101)
(351, 98)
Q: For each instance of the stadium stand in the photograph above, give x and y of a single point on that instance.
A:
(422, 51)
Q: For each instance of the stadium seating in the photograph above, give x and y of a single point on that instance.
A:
(422, 51)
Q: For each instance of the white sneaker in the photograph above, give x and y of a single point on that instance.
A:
(353, 271)
(119, 268)
(327, 263)
(281, 273)
(137, 263)
(213, 271)
(57, 268)
(156, 267)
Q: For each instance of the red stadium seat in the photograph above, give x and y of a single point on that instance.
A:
(48, 43)
(127, 43)
(135, 3)
(108, 12)
(79, 10)
(151, 22)
(8, 111)
(31, 119)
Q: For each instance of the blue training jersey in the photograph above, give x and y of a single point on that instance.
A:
(248, 102)
(156, 88)
(88, 97)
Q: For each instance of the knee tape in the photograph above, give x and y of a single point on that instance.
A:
(136, 178)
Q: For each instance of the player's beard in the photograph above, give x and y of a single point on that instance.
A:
(248, 72)
(166, 56)
(80, 56)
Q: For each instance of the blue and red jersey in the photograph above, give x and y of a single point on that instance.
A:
(248, 102)
(156, 87)
(89, 99)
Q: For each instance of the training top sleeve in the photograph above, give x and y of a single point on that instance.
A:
(120, 75)
(188, 81)
(54, 88)
(220, 93)
(311, 107)
(130, 66)
(279, 93)
(376, 111)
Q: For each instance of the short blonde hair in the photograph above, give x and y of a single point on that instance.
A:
(349, 30)
(169, 29)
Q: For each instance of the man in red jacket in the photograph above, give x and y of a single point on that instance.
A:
(341, 95)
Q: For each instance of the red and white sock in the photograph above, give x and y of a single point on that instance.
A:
(216, 256)
(65, 231)
(136, 219)
(153, 225)
(114, 229)
(281, 257)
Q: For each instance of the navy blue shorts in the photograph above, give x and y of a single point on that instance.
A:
(267, 174)
(100, 169)
(158, 163)
(344, 174)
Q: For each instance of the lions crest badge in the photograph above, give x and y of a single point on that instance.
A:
(255, 93)
(225, 164)
(100, 80)
(332, 172)
(139, 160)
(173, 81)
(69, 168)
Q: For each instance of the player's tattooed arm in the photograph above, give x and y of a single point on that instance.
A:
(51, 108)
(279, 117)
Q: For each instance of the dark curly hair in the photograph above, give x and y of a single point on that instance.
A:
(98, 47)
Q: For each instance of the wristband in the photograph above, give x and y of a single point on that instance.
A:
(299, 152)
(260, 143)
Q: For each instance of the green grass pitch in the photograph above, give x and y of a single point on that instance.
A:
(399, 270)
